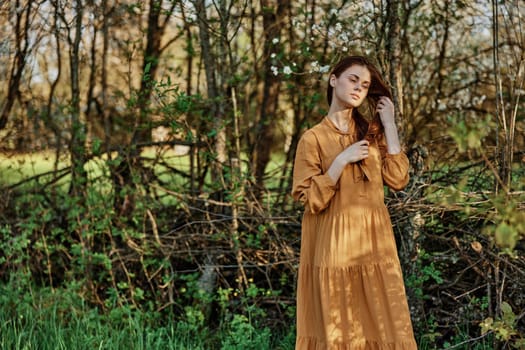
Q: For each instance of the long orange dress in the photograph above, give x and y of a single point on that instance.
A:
(350, 292)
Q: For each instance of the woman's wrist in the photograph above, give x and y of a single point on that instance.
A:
(336, 168)
(341, 160)
(392, 139)
(390, 126)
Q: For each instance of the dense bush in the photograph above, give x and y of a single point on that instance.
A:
(188, 265)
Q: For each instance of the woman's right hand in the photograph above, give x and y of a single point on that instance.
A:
(355, 152)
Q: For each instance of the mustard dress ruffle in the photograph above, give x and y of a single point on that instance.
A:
(350, 292)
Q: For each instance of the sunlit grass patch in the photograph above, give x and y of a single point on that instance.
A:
(17, 167)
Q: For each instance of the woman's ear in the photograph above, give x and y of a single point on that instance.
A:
(332, 80)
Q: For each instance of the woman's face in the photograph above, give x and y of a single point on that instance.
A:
(351, 87)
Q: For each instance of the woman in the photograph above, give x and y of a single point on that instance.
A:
(350, 288)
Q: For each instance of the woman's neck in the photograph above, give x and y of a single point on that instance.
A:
(340, 118)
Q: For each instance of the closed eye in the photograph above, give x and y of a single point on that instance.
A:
(354, 79)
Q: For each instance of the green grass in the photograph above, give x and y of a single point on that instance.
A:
(16, 167)
(59, 320)
(36, 331)
(53, 327)
(46, 319)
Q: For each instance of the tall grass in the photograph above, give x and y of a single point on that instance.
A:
(51, 328)
(84, 333)
(60, 320)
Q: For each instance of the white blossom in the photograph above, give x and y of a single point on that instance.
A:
(314, 67)
(273, 55)
(441, 105)
(275, 41)
(324, 69)
(343, 37)
(275, 70)
(287, 70)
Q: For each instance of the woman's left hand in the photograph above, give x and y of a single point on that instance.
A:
(385, 108)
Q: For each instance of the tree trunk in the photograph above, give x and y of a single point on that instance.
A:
(507, 102)
(78, 134)
(393, 46)
(104, 81)
(22, 24)
(48, 116)
(154, 32)
(272, 24)
(411, 228)
(129, 158)
(215, 109)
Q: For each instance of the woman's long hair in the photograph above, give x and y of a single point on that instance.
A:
(372, 130)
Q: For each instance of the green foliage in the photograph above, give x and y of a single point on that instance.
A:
(60, 319)
(241, 334)
(470, 134)
(425, 273)
(506, 221)
(504, 327)
(477, 225)
(116, 270)
(14, 247)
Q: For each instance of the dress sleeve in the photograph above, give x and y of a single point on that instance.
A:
(395, 170)
(310, 186)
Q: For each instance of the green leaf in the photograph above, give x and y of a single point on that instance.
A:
(486, 325)
(473, 140)
(96, 146)
(506, 236)
(508, 315)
